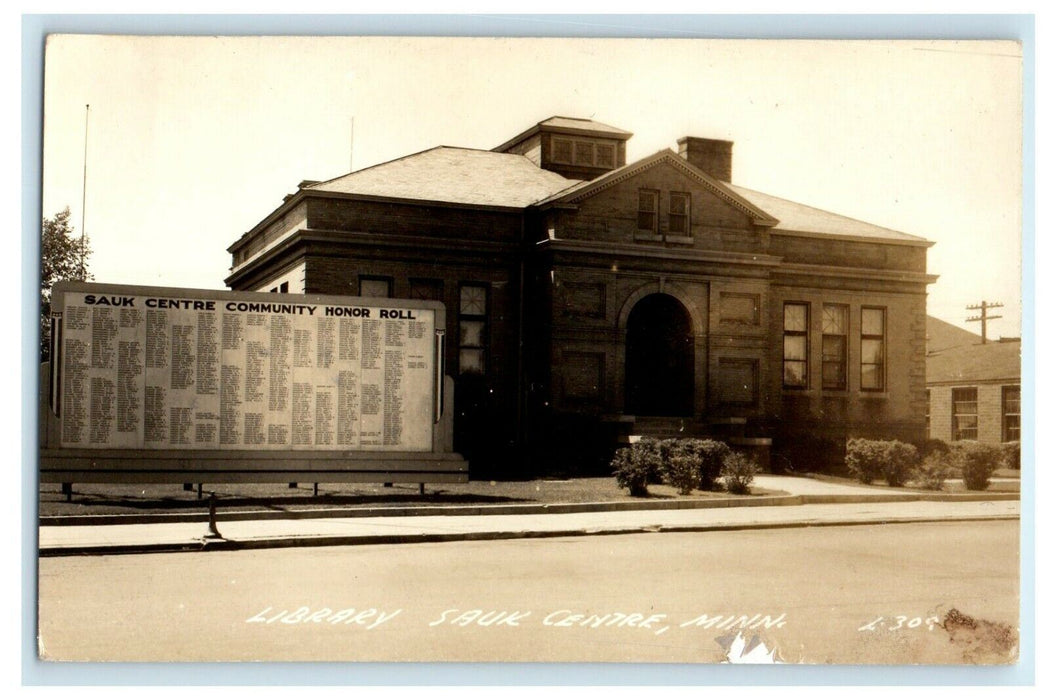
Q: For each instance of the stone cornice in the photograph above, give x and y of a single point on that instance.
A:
(646, 251)
(802, 269)
(371, 241)
(291, 201)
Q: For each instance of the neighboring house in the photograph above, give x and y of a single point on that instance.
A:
(589, 298)
(973, 387)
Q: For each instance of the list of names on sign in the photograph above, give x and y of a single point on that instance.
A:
(171, 372)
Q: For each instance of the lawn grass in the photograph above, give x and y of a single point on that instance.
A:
(118, 499)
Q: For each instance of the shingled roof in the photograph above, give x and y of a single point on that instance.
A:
(454, 176)
(940, 335)
(802, 218)
(582, 124)
(956, 356)
(473, 177)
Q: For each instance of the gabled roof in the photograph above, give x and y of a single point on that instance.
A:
(940, 335)
(589, 187)
(801, 218)
(455, 176)
(956, 356)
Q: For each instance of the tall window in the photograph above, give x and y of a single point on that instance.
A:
(679, 212)
(375, 286)
(964, 421)
(473, 328)
(872, 348)
(647, 210)
(1010, 413)
(430, 290)
(796, 346)
(835, 346)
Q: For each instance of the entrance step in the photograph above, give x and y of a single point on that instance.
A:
(728, 427)
(666, 427)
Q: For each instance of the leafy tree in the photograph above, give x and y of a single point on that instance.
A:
(62, 257)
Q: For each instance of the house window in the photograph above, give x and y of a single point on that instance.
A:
(647, 210)
(282, 288)
(796, 346)
(562, 151)
(606, 155)
(872, 349)
(1010, 413)
(376, 286)
(964, 421)
(835, 346)
(584, 153)
(428, 290)
(679, 211)
(473, 328)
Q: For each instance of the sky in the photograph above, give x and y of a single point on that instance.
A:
(191, 141)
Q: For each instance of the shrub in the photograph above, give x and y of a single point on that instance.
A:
(934, 470)
(861, 457)
(1011, 455)
(635, 467)
(804, 452)
(933, 446)
(977, 462)
(694, 464)
(667, 449)
(682, 470)
(900, 460)
(739, 471)
(890, 460)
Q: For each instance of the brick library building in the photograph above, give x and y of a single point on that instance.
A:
(590, 299)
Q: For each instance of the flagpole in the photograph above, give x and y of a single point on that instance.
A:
(83, 197)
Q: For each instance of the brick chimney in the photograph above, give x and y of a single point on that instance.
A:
(712, 156)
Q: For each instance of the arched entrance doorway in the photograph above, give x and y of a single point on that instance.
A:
(660, 361)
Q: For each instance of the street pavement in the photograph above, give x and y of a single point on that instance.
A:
(813, 503)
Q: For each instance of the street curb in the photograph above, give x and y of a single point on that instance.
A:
(223, 545)
(521, 509)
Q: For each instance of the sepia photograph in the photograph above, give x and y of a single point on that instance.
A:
(676, 351)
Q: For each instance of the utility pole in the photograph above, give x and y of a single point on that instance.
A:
(983, 318)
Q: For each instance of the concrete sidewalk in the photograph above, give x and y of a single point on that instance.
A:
(814, 503)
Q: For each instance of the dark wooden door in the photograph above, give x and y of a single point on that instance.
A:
(660, 359)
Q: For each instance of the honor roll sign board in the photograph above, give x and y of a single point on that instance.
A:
(208, 376)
